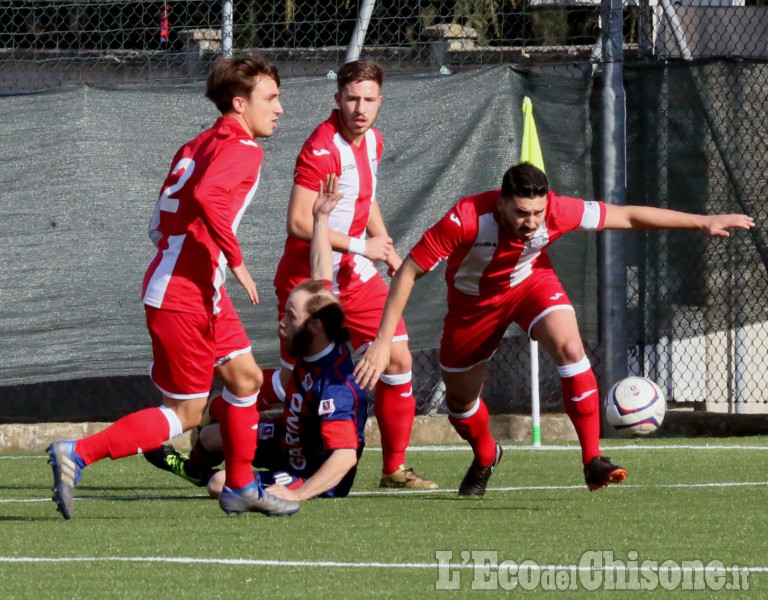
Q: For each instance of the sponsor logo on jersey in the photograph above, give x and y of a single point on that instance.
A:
(326, 407)
(307, 383)
(296, 457)
(321, 152)
(348, 167)
(485, 244)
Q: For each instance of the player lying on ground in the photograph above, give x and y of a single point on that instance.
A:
(314, 448)
(348, 144)
(498, 272)
(195, 330)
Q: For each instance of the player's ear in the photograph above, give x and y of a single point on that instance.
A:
(238, 105)
(337, 98)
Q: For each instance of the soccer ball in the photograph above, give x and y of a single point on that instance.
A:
(635, 406)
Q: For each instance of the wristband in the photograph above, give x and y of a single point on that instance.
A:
(356, 246)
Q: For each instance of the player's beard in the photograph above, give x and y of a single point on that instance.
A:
(299, 343)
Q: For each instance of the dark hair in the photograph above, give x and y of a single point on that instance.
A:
(524, 181)
(323, 306)
(236, 76)
(359, 70)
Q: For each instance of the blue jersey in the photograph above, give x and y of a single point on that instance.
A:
(325, 410)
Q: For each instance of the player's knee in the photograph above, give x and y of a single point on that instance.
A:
(247, 382)
(570, 351)
(400, 361)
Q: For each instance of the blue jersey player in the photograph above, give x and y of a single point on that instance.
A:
(313, 449)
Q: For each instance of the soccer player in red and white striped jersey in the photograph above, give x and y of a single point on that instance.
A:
(195, 330)
(348, 145)
(498, 272)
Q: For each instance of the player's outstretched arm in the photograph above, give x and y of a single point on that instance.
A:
(648, 217)
(330, 473)
(376, 357)
(321, 252)
(300, 221)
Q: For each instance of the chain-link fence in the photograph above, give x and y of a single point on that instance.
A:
(695, 74)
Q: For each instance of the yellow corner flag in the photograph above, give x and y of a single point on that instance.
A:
(531, 151)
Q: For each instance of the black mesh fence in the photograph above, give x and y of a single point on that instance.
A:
(695, 76)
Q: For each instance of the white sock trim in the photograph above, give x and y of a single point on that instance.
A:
(574, 369)
(469, 413)
(174, 423)
(242, 402)
(397, 379)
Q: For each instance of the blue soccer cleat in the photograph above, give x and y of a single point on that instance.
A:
(67, 471)
(253, 498)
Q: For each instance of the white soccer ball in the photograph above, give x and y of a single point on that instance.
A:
(635, 406)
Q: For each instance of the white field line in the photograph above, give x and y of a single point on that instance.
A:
(523, 566)
(401, 492)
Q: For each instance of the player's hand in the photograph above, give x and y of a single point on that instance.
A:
(372, 365)
(328, 196)
(393, 262)
(280, 491)
(718, 225)
(249, 285)
(378, 247)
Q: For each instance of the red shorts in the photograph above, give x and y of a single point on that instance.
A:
(362, 315)
(186, 347)
(472, 333)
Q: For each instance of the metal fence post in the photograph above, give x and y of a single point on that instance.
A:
(361, 27)
(613, 282)
(226, 28)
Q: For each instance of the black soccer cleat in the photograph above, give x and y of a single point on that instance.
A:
(476, 479)
(601, 472)
(167, 458)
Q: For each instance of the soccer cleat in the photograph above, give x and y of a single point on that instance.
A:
(66, 473)
(601, 471)
(253, 498)
(476, 479)
(167, 458)
(405, 477)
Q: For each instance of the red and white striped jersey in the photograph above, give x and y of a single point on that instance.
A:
(324, 152)
(210, 184)
(484, 261)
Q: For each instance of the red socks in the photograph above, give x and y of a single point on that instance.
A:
(142, 430)
(473, 427)
(239, 432)
(582, 404)
(394, 407)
